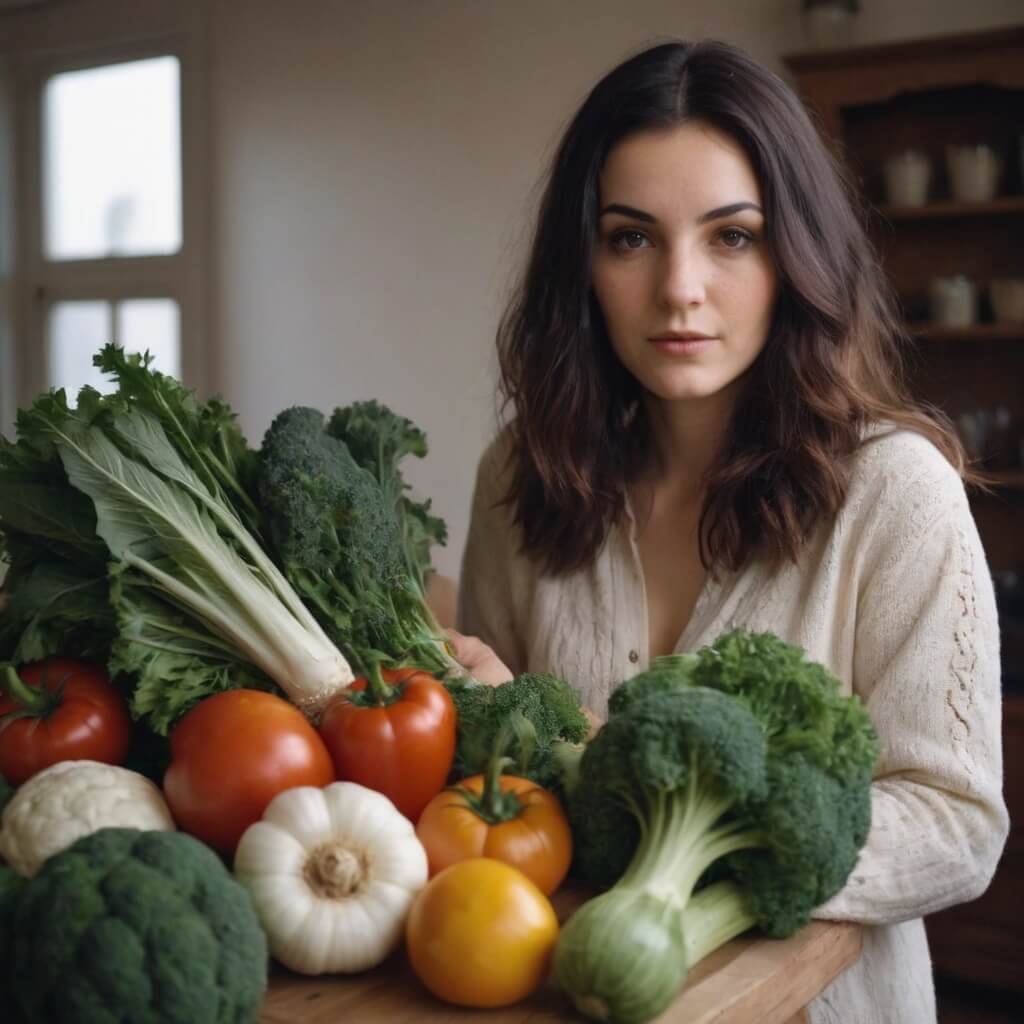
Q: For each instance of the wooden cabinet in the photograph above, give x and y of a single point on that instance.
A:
(874, 103)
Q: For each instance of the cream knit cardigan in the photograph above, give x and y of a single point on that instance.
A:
(896, 599)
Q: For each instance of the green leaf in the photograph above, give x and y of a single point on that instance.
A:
(205, 434)
(57, 608)
(174, 661)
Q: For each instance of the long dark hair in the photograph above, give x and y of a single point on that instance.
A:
(831, 365)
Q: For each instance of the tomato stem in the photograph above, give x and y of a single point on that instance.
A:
(496, 806)
(32, 700)
(380, 693)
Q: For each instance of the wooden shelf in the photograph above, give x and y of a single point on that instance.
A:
(952, 208)
(872, 102)
(976, 332)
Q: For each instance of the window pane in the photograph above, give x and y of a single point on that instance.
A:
(78, 330)
(112, 161)
(152, 325)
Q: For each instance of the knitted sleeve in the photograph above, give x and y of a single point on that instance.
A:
(488, 580)
(926, 665)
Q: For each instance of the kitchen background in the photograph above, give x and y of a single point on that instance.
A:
(358, 179)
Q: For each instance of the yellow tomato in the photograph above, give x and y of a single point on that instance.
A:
(481, 934)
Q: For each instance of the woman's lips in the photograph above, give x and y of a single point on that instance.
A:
(681, 346)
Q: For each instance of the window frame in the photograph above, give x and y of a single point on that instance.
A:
(38, 283)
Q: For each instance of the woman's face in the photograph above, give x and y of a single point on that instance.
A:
(682, 271)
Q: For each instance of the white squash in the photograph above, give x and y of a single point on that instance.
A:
(332, 873)
(71, 799)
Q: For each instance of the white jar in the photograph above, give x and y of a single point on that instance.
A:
(907, 176)
(954, 301)
(974, 172)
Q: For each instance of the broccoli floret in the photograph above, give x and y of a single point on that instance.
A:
(339, 541)
(689, 752)
(548, 703)
(11, 886)
(671, 798)
(321, 505)
(379, 440)
(797, 701)
(128, 926)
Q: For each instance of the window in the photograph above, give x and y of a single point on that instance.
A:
(110, 168)
(112, 161)
(76, 330)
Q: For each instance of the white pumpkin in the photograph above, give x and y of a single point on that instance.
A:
(332, 873)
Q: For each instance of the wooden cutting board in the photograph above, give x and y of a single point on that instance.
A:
(751, 980)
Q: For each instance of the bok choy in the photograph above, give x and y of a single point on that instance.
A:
(198, 604)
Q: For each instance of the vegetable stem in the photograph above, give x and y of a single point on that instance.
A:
(31, 700)
(380, 693)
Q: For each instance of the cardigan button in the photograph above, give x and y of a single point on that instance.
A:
(634, 656)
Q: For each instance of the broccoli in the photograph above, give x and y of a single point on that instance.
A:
(378, 441)
(548, 703)
(714, 800)
(127, 926)
(338, 539)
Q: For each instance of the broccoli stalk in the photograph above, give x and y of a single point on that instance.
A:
(757, 780)
(715, 915)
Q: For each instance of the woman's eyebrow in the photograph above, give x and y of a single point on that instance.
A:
(629, 211)
(727, 211)
(715, 214)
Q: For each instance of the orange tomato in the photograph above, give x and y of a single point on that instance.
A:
(481, 934)
(536, 839)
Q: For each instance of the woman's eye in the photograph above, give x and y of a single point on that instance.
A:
(628, 239)
(735, 238)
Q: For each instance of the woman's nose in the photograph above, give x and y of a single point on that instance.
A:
(684, 279)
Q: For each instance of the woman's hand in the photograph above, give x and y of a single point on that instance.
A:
(478, 659)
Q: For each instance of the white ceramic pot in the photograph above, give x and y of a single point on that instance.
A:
(974, 172)
(954, 301)
(907, 176)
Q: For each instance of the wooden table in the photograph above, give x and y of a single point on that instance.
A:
(751, 980)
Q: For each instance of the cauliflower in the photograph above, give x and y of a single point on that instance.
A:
(72, 799)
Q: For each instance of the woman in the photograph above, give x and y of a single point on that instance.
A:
(710, 430)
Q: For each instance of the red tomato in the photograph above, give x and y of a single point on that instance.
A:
(231, 755)
(403, 749)
(68, 711)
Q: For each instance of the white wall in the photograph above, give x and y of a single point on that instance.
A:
(375, 165)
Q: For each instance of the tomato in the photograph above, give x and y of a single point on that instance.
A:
(481, 934)
(403, 747)
(231, 755)
(533, 835)
(59, 710)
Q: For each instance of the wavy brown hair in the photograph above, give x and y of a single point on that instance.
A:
(831, 365)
